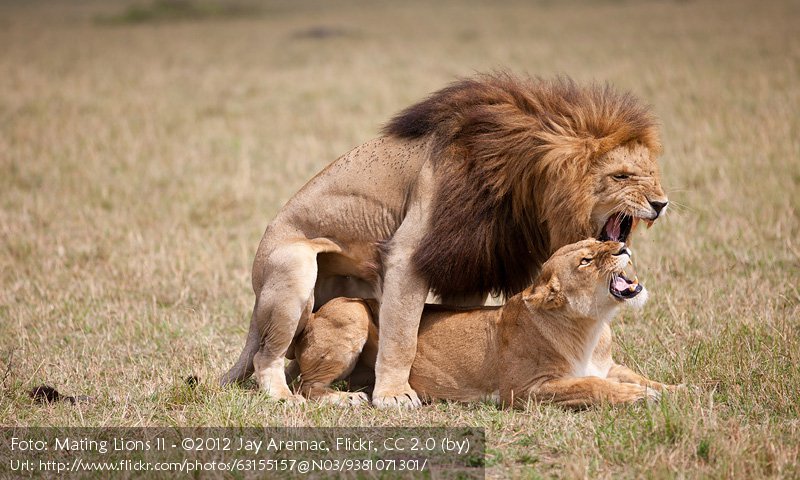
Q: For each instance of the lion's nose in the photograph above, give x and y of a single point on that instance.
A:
(623, 251)
(658, 207)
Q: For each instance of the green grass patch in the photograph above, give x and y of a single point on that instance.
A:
(159, 11)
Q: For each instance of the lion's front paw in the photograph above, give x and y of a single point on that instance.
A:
(344, 399)
(407, 398)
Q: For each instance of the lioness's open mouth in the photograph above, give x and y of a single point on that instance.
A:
(619, 226)
(623, 288)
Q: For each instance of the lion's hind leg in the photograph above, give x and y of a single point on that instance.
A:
(329, 348)
(283, 306)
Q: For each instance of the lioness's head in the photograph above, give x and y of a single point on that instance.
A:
(586, 279)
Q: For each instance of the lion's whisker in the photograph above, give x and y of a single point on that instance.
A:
(679, 205)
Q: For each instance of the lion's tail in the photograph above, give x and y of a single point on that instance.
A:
(243, 368)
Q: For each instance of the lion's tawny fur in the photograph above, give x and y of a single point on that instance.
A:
(466, 193)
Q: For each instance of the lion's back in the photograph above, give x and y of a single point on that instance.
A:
(362, 194)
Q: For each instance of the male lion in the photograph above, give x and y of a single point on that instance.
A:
(551, 342)
(466, 194)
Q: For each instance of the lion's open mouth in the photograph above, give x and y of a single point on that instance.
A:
(619, 226)
(623, 288)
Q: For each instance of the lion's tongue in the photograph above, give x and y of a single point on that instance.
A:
(613, 228)
(620, 284)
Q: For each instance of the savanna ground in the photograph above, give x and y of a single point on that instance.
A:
(143, 151)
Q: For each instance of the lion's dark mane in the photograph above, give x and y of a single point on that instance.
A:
(497, 139)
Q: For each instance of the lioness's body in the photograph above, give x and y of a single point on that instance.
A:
(529, 347)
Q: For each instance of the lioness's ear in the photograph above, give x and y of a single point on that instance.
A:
(547, 295)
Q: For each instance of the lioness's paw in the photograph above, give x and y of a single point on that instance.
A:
(406, 399)
(344, 399)
(681, 387)
(631, 393)
(651, 395)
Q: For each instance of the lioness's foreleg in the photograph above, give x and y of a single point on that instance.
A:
(586, 391)
(624, 374)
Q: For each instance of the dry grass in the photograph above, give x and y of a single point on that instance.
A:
(140, 163)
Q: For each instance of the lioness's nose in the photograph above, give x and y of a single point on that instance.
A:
(658, 206)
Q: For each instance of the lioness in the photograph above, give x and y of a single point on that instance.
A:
(465, 194)
(551, 342)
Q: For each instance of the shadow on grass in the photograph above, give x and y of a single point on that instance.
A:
(322, 32)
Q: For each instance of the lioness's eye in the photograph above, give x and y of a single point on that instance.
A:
(622, 176)
(586, 261)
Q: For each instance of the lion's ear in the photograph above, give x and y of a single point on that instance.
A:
(546, 295)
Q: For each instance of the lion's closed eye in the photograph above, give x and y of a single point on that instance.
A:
(586, 261)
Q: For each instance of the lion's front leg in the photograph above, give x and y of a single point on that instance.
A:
(401, 308)
(402, 302)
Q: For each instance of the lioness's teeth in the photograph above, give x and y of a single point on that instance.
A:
(635, 222)
(649, 223)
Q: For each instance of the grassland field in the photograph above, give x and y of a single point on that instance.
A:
(145, 146)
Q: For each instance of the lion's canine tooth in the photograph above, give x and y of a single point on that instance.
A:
(649, 223)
